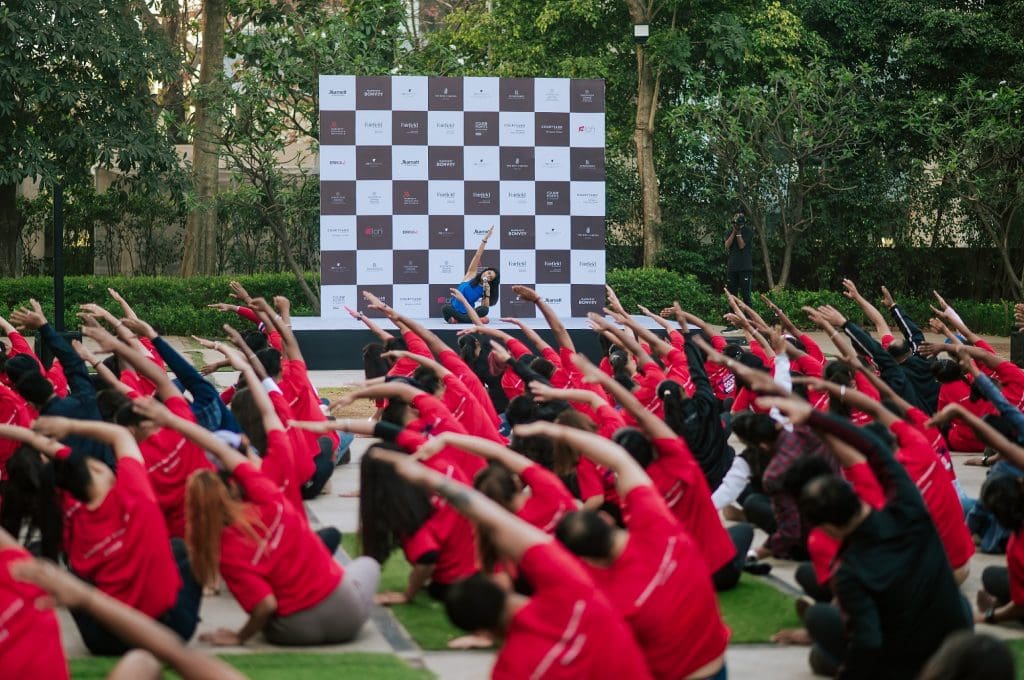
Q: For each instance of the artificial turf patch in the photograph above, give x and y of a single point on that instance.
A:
(755, 610)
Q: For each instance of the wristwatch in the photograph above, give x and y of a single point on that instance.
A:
(990, 615)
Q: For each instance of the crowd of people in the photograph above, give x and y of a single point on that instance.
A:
(579, 515)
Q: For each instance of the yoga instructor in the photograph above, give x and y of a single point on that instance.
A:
(475, 287)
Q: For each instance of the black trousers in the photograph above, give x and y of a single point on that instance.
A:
(808, 580)
(449, 313)
(740, 284)
(182, 618)
(728, 576)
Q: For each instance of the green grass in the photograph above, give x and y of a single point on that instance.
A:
(281, 665)
(1017, 648)
(755, 610)
(424, 617)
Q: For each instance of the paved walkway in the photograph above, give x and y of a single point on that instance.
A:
(768, 662)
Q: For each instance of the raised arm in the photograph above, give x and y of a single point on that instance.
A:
(381, 334)
(123, 621)
(511, 535)
(624, 339)
(542, 392)
(280, 320)
(44, 445)
(74, 368)
(604, 452)
(654, 426)
(658, 346)
(102, 370)
(532, 336)
(159, 414)
(988, 434)
(554, 323)
(115, 436)
(143, 365)
(474, 263)
(785, 321)
(430, 363)
(870, 311)
(485, 448)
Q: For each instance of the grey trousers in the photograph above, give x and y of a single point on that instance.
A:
(338, 617)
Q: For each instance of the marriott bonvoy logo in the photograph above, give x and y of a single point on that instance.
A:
(373, 92)
(587, 301)
(445, 163)
(520, 232)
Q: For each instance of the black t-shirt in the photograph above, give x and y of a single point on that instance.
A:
(741, 259)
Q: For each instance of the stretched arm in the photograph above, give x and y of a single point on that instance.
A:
(485, 448)
(280, 320)
(854, 399)
(474, 264)
(628, 473)
(988, 434)
(784, 320)
(554, 323)
(542, 392)
(658, 346)
(474, 318)
(433, 365)
(74, 368)
(532, 336)
(102, 370)
(44, 445)
(625, 340)
(511, 535)
(124, 621)
(870, 311)
(883, 388)
(143, 365)
(381, 334)
(159, 414)
(115, 436)
(654, 426)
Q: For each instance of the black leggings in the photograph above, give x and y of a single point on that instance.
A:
(449, 313)
(996, 582)
(182, 618)
(728, 575)
(808, 580)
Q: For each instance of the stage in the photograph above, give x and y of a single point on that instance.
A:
(337, 343)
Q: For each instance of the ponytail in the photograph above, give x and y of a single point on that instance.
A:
(671, 395)
(30, 495)
(209, 509)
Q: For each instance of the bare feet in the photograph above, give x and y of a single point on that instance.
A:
(472, 641)
(985, 601)
(484, 319)
(792, 636)
(733, 513)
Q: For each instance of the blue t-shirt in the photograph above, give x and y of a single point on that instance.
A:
(471, 293)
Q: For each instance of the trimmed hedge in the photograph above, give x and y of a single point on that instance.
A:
(177, 306)
(658, 288)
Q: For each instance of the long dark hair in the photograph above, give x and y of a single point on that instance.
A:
(374, 365)
(469, 350)
(707, 441)
(30, 496)
(390, 508)
(478, 279)
(248, 415)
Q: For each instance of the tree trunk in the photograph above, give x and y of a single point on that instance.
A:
(200, 255)
(11, 224)
(787, 261)
(762, 238)
(277, 226)
(643, 140)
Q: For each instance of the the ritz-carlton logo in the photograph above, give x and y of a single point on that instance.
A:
(516, 95)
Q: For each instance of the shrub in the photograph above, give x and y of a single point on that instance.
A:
(658, 288)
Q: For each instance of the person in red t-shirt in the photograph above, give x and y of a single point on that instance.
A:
(566, 629)
(161, 645)
(114, 533)
(438, 542)
(170, 458)
(274, 564)
(680, 480)
(652, 571)
(30, 645)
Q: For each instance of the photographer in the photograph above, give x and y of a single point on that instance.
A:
(741, 263)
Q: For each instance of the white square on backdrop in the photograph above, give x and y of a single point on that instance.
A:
(444, 128)
(551, 94)
(373, 128)
(587, 266)
(476, 227)
(518, 198)
(337, 232)
(481, 163)
(334, 299)
(515, 128)
(519, 266)
(554, 232)
(410, 232)
(447, 266)
(373, 197)
(337, 162)
(586, 129)
(558, 296)
(412, 300)
(408, 162)
(587, 198)
(445, 197)
(338, 93)
(480, 94)
(374, 267)
(408, 93)
(551, 164)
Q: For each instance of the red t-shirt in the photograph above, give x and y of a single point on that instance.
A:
(559, 377)
(406, 367)
(576, 378)
(303, 400)
(122, 546)
(568, 629)
(467, 410)
(678, 369)
(55, 375)
(647, 379)
(449, 461)
(918, 418)
(590, 479)
(139, 385)
(663, 589)
(13, 411)
(1015, 565)
(278, 465)
(721, 378)
(549, 500)
(30, 645)
(454, 363)
(288, 561)
(936, 486)
(679, 479)
(170, 459)
(961, 436)
(452, 538)
(304, 449)
(511, 383)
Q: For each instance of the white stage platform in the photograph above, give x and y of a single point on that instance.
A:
(347, 323)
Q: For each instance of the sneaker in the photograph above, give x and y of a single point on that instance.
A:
(757, 568)
(345, 458)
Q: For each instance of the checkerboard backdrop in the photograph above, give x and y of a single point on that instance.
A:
(414, 170)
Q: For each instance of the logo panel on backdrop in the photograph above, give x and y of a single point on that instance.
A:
(414, 169)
